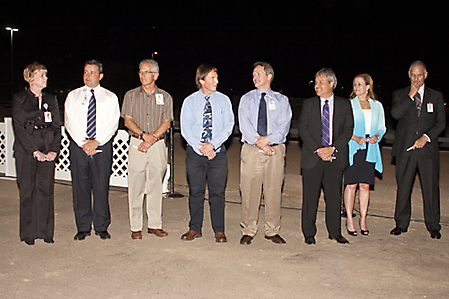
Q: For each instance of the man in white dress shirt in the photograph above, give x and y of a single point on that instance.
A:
(91, 119)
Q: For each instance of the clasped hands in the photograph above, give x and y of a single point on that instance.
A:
(41, 157)
(263, 144)
(363, 140)
(207, 149)
(90, 146)
(325, 153)
(149, 139)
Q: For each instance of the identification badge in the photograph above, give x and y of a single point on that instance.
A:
(159, 99)
(271, 105)
(430, 107)
(47, 117)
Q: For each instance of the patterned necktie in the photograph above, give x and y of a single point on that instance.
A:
(206, 135)
(418, 102)
(92, 117)
(262, 118)
(325, 124)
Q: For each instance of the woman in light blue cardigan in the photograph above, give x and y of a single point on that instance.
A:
(364, 152)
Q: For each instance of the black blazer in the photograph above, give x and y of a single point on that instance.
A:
(310, 131)
(24, 107)
(411, 127)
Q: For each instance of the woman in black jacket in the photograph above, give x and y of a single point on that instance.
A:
(37, 130)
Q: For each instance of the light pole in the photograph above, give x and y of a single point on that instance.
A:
(12, 30)
(152, 55)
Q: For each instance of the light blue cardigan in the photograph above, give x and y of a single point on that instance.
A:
(377, 128)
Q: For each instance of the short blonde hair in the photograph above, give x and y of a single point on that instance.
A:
(31, 69)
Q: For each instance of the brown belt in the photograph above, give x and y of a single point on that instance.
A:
(137, 137)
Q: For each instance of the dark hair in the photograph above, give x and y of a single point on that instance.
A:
(95, 62)
(368, 81)
(267, 68)
(201, 73)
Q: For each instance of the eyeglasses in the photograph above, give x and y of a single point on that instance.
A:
(145, 73)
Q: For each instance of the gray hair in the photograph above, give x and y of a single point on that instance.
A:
(418, 63)
(267, 68)
(330, 75)
(95, 62)
(155, 66)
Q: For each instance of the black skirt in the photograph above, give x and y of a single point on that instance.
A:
(360, 171)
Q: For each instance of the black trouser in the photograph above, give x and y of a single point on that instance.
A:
(36, 184)
(329, 176)
(428, 170)
(91, 174)
(199, 170)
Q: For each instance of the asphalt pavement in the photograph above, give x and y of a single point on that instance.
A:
(411, 265)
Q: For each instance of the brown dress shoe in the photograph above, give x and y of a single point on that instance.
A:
(190, 235)
(157, 231)
(220, 238)
(276, 239)
(136, 235)
(246, 240)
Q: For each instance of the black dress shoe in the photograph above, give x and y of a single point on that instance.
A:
(276, 239)
(103, 235)
(310, 240)
(397, 231)
(81, 236)
(340, 239)
(49, 241)
(435, 234)
(246, 240)
(29, 242)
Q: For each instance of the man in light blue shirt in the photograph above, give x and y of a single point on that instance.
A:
(207, 121)
(264, 121)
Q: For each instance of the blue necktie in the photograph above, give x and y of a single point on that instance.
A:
(206, 135)
(325, 124)
(262, 117)
(92, 117)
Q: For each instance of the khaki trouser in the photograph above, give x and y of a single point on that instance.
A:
(145, 175)
(260, 173)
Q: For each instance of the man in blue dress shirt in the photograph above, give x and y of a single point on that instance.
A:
(207, 121)
(264, 121)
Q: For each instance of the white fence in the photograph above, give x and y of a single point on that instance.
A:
(120, 147)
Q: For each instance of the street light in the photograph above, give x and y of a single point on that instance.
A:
(152, 55)
(12, 30)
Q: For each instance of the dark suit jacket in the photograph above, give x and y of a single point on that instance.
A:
(24, 107)
(411, 127)
(310, 131)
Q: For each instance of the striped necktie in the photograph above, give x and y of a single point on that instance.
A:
(325, 125)
(92, 117)
(418, 103)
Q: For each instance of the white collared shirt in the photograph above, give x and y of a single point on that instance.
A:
(107, 115)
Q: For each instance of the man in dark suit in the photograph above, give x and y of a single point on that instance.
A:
(325, 127)
(421, 118)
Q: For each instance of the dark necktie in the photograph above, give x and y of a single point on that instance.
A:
(418, 103)
(325, 124)
(92, 117)
(262, 118)
(206, 135)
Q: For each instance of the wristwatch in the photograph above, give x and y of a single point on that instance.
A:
(141, 134)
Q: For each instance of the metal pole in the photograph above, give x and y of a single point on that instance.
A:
(12, 30)
(171, 151)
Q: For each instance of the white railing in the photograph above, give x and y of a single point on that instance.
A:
(120, 147)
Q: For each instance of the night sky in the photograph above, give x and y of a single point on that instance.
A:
(381, 38)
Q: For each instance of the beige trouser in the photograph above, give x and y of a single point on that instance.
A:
(259, 171)
(145, 174)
